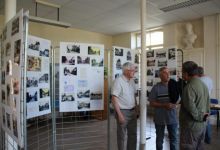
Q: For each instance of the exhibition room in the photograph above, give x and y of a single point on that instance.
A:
(61, 61)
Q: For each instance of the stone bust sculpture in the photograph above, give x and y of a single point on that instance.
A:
(190, 36)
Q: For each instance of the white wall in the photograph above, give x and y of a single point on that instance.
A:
(210, 50)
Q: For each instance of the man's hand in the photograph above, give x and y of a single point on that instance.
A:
(121, 119)
(169, 106)
(137, 110)
(205, 116)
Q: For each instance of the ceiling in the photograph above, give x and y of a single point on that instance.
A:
(117, 16)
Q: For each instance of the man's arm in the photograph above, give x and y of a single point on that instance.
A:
(156, 104)
(137, 107)
(189, 104)
(117, 109)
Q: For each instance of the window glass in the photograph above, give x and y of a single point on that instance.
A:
(154, 39)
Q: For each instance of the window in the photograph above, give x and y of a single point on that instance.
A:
(154, 39)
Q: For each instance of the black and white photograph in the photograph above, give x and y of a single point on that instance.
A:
(97, 62)
(148, 93)
(171, 54)
(3, 77)
(3, 97)
(172, 71)
(136, 59)
(151, 63)
(8, 49)
(96, 96)
(3, 116)
(117, 75)
(93, 50)
(44, 53)
(118, 64)
(44, 106)
(83, 105)
(15, 26)
(8, 92)
(8, 117)
(67, 97)
(14, 124)
(9, 68)
(16, 85)
(68, 60)
(150, 53)
(83, 60)
(32, 96)
(44, 92)
(32, 82)
(119, 51)
(17, 49)
(161, 54)
(2, 56)
(44, 78)
(83, 94)
(136, 69)
(70, 71)
(162, 63)
(73, 48)
(157, 73)
(136, 80)
(128, 56)
(34, 46)
(150, 82)
(150, 72)
(33, 63)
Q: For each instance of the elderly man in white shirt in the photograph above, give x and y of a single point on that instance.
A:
(123, 100)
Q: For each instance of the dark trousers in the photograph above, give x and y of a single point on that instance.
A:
(191, 140)
(172, 131)
(208, 133)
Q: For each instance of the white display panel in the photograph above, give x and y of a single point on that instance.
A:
(166, 57)
(38, 77)
(11, 78)
(122, 55)
(81, 77)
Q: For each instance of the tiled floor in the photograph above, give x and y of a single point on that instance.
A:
(91, 134)
(150, 132)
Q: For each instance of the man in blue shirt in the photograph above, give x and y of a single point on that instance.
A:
(164, 111)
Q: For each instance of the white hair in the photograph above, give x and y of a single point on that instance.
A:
(127, 66)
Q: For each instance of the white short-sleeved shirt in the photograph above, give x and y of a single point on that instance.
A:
(208, 82)
(124, 90)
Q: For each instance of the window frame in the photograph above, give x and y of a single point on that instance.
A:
(150, 47)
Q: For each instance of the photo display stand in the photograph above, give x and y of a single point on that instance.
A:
(166, 57)
(81, 77)
(12, 78)
(38, 77)
(122, 55)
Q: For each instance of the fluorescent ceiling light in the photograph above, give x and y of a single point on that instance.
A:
(182, 5)
(49, 22)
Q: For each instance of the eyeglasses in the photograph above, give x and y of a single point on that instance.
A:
(131, 70)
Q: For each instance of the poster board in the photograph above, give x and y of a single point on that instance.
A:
(38, 77)
(81, 77)
(166, 57)
(12, 68)
(122, 55)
